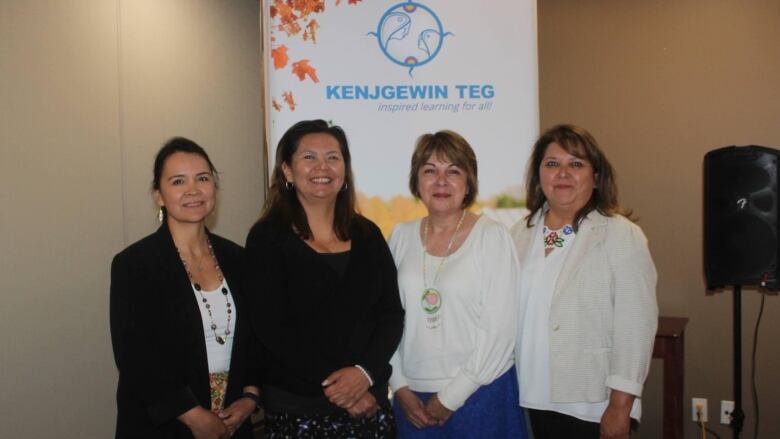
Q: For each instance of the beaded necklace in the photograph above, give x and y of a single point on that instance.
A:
(431, 297)
(218, 338)
(557, 238)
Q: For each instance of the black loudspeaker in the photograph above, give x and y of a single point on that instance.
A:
(740, 217)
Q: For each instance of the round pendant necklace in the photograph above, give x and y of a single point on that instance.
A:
(431, 299)
(218, 338)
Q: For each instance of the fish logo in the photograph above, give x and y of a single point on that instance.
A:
(410, 34)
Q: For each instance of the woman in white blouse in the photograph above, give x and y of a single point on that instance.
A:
(589, 313)
(457, 275)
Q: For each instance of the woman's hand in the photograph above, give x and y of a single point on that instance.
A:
(236, 413)
(437, 411)
(365, 407)
(346, 386)
(203, 424)
(413, 408)
(616, 420)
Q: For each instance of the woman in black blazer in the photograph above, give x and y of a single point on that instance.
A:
(175, 328)
(326, 308)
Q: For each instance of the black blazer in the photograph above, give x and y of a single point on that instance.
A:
(310, 320)
(158, 340)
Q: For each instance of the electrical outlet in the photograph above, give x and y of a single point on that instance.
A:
(699, 404)
(726, 408)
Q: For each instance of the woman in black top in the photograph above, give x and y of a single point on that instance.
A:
(326, 307)
(174, 302)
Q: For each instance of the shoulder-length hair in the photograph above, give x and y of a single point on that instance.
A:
(449, 145)
(578, 142)
(282, 204)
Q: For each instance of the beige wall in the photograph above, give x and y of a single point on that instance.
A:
(88, 91)
(660, 83)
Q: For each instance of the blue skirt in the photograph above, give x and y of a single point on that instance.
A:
(493, 411)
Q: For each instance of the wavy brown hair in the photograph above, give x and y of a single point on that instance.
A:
(282, 204)
(578, 142)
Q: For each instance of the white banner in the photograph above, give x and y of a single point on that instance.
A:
(389, 71)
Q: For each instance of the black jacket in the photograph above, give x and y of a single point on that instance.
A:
(311, 321)
(158, 340)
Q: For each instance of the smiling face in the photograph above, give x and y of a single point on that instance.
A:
(317, 168)
(441, 185)
(187, 188)
(566, 180)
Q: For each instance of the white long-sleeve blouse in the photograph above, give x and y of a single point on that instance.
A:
(473, 341)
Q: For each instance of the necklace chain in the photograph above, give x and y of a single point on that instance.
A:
(446, 254)
(218, 338)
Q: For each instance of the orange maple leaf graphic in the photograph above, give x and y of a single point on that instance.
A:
(290, 15)
(306, 7)
(288, 21)
(276, 105)
(288, 98)
(303, 69)
(280, 57)
(311, 31)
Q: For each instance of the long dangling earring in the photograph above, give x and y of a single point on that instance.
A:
(160, 214)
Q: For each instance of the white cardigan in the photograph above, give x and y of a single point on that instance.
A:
(604, 315)
(480, 303)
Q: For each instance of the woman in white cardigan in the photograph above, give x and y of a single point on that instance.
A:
(453, 372)
(588, 307)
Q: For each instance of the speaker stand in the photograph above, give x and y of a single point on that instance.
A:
(737, 416)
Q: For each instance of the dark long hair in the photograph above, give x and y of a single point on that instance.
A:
(171, 147)
(580, 143)
(282, 204)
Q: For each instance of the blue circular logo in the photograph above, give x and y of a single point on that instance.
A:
(410, 34)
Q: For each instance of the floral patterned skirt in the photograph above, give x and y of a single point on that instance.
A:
(338, 426)
(218, 385)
